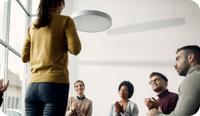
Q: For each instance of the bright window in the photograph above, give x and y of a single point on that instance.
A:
(2, 64)
(3, 7)
(17, 26)
(13, 26)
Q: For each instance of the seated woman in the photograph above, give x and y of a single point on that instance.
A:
(125, 107)
(79, 105)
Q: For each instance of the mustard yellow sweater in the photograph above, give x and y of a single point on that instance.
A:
(47, 49)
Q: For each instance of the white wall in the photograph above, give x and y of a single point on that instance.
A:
(102, 84)
(106, 60)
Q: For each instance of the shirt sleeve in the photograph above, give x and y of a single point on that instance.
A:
(112, 111)
(73, 42)
(25, 56)
(135, 110)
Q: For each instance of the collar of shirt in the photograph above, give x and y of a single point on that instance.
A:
(164, 93)
(80, 98)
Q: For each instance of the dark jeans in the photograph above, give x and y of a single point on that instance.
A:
(46, 99)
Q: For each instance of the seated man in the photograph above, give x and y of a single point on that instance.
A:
(166, 100)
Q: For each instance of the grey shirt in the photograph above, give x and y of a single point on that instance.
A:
(131, 110)
(189, 94)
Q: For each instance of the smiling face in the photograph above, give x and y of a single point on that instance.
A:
(158, 84)
(182, 65)
(79, 88)
(123, 92)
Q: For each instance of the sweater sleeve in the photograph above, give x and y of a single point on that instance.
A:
(90, 110)
(73, 42)
(26, 48)
(68, 111)
(172, 103)
(188, 103)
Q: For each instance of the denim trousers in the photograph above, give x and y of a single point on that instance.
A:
(46, 99)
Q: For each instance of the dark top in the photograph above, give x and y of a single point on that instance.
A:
(167, 101)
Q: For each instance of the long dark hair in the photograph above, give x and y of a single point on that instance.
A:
(44, 11)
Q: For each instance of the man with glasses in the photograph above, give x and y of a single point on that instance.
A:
(166, 101)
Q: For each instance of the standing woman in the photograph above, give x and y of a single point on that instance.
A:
(79, 105)
(125, 107)
(48, 41)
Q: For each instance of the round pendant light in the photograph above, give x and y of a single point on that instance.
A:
(91, 20)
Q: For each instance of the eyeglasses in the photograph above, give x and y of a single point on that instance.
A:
(154, 81)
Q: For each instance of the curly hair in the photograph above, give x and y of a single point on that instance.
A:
(130, 87)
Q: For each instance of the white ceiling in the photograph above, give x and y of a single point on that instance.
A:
(144, 36)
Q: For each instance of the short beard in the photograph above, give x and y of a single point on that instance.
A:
(185, 68)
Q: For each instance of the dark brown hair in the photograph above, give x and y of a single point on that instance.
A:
(78, 82)
(44, 11)
(191, 49)
(160, 75)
